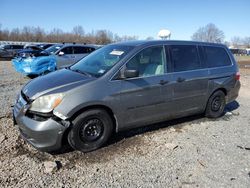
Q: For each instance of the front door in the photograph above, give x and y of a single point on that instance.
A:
(67, 58)
(141, 97)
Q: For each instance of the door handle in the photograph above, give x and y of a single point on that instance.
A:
(180, 79)
(163, 82)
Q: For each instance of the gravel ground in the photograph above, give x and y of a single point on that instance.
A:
(189, 152)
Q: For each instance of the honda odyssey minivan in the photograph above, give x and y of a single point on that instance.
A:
(123, 86)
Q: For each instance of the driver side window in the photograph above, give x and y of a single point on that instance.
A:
(148, 62)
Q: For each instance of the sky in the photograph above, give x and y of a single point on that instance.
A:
(142, 18)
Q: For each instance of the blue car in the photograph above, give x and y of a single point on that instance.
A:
(55, 57)
(34, 66)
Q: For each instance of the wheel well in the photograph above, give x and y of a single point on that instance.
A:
(222, 89)
(107, 109)
(219, 89)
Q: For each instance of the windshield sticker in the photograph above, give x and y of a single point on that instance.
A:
(116, 52)
(58, 47)
(101, 71)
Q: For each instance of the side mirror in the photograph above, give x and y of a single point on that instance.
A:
(61, 53)
(130, 73)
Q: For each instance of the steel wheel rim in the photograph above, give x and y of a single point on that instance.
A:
(216, 104)
(91, 130)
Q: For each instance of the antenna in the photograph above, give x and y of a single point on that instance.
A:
(164, 34)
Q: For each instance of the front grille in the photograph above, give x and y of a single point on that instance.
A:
(38, 116)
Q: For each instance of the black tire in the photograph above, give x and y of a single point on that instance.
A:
(90, 130)
(31, 76)
(216, 105)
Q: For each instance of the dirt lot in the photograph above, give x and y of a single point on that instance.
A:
(189, 152)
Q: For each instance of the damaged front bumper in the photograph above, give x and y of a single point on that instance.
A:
(45, 134)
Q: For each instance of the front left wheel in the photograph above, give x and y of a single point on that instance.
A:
(90, 130)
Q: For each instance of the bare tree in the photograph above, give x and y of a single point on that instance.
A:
(236, 41)
(15, 34)
(209, 33)
(103, 37)
(37, 34)
(246, 42)
(78, 33)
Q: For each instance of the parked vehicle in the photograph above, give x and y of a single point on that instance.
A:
(45, 45)
(32, 50)
(51, 59)
(9, 50)
(123, 86)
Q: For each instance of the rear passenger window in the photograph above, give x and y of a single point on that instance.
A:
(82, 50)
(79, 50)
(216, 57)
(184, 57)
(18, 47)
(67, 50)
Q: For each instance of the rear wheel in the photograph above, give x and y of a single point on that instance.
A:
(90, 130)
(216, 105)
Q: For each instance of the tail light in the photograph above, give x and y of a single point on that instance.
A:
(237, 76)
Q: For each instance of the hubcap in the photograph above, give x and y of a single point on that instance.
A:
(91, 130)
(216, 104)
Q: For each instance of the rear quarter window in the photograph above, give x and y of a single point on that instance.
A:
(216, 57)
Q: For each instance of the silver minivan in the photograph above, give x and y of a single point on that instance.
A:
(123, 86)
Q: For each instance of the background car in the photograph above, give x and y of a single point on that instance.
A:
(33, 50)
(9, 50)
(55, 57)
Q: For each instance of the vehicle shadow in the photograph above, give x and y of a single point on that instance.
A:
(177, 124)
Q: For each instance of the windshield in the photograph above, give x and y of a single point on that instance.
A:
(101, 60)
(54, 48)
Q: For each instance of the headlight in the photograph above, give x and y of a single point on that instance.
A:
(47, 103)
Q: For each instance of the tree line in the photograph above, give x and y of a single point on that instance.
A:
(56, 35)
(207, 33)
(211, 33)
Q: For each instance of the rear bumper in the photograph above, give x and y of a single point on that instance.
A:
(233, 93)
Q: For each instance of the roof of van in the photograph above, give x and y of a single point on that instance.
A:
(176, 42)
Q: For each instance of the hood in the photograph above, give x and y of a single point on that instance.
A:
(55, 82)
